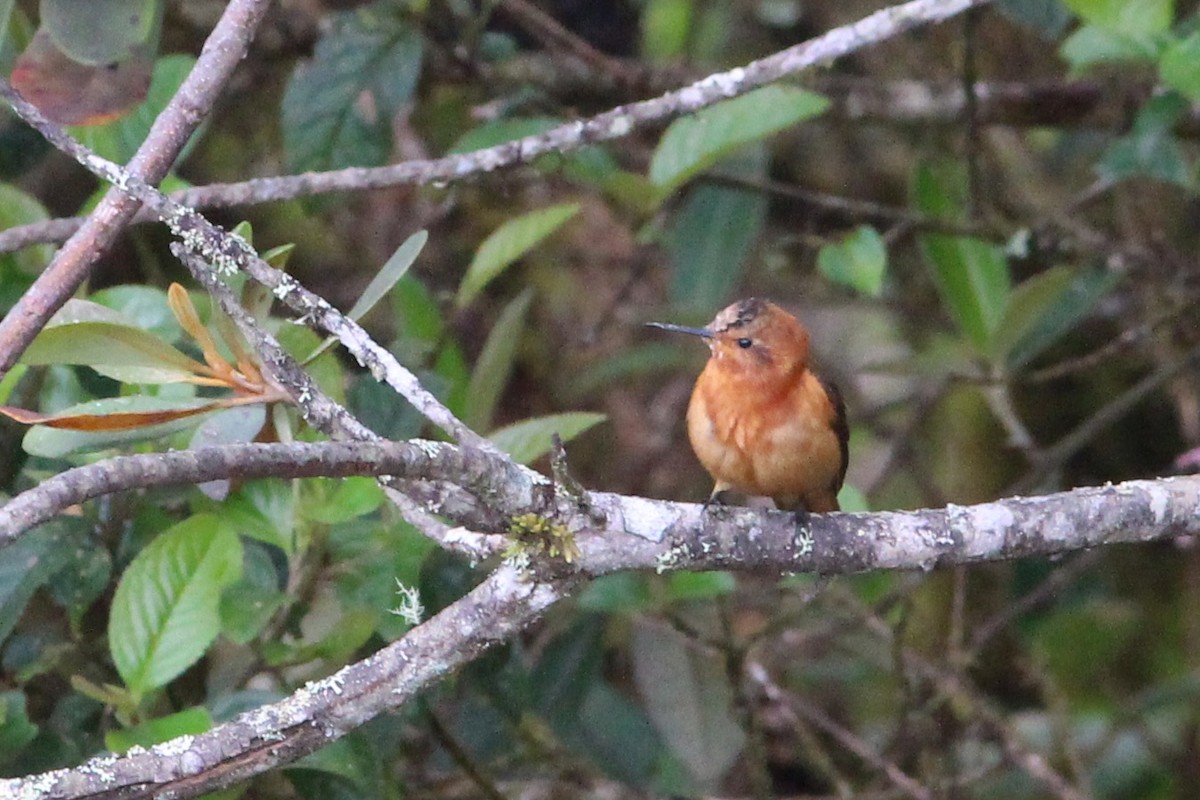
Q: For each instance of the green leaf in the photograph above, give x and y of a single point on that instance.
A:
(665, 28)
(685, 586)
(1127, 17)
(972, 276)
(688, 697)
(142, 307)
(343, 500)
(509, 242)
(529, 440)
(1180, 66)
(859, 261)
(693, 144)
(119, 140)
(1094, 45)
(265, 510)
(19, 208)
(248, 603)
(338, 107)
(100, 31)
(124, 353)
(1060, 317)
(1029, 303)
(16, 729)
(165, 612)
(711, 237)
(27, 563)
(491, 372)
(1150, 149)
(619, 593)
(182, 723)
(393, 270)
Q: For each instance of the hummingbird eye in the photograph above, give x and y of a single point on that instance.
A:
(744, 343)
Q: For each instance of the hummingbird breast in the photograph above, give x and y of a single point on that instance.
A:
(786, 444)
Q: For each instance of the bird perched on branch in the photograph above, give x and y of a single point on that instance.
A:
(760, 420)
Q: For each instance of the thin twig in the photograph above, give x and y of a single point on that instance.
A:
(798, 706)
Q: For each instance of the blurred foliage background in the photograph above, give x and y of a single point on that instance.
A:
(988, 225)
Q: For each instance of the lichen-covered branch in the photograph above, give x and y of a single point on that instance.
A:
(610, 533)
(615, 532)
(317, 714)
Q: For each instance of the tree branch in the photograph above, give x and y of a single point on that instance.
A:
(613, 533)
(617, 532)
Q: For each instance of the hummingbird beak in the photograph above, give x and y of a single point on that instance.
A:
(666, 326)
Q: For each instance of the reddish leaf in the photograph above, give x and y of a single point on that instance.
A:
(71, 93)
(116, 421)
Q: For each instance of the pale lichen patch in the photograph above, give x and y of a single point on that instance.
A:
(647, 519)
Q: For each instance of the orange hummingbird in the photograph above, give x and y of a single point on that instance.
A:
(760, 420)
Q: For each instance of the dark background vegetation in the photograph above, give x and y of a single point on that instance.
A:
(1052, 348)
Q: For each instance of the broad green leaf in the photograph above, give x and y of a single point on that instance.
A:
(18, 208)
(342, 500)
(119, 140)
(124, 353)
(666, 25)
(1029, 302)
(372, 51)
(693, 144)
(687, 695)
(619, 593)
(248, 603)
(1180, 66)
(711, 236)
(529, 440)
(1095, 45)
(859, 261)
(100, 32)
(1151, 149)
(143, 307)
(685, 586)
(16, 729)
(10, 381)
(1127, 17)
(165, 612)
(491, 372)
(1061, 316)
(509, 242)
(972, 276)
(852, 499)
(50, 442)
(27, 563)
(265, 510)
(568, 666)
(393, 270)
(151, 732)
